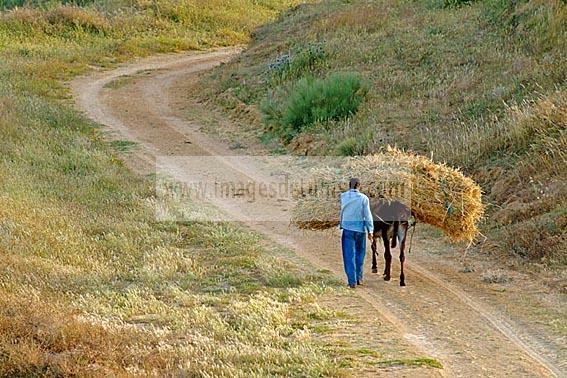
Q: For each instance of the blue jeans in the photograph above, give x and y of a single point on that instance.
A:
(354, 250)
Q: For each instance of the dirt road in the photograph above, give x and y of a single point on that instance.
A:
(473, 329)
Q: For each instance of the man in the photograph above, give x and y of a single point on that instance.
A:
(355, 221)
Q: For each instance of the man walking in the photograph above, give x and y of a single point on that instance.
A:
(355, 221)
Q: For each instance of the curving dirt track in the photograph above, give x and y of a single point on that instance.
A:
(471, 330)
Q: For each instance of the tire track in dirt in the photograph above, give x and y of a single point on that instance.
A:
(440, 319)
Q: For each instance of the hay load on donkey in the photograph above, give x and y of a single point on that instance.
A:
(436, 194)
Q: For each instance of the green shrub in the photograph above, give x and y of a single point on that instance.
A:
(335, 97)
(314, 100)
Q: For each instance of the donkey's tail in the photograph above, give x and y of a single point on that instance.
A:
(395, 234)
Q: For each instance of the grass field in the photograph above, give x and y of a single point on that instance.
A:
(90, 283)
(480, 85)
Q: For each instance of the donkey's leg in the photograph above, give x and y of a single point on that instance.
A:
(374, 253)
(387, 254)
(402, 234)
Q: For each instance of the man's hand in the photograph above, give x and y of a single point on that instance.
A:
(370, 236)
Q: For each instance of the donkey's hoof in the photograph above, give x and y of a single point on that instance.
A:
(374, 270)
(386, 278)
(402, 283)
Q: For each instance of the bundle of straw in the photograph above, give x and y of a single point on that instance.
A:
(437, 194)
(316, 213)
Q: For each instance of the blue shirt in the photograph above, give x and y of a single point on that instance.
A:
(355, 212)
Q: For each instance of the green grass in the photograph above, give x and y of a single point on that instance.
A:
(368, 352)
(90, 282)
(456, 3)
(420, 361)
(480, 85)
(123, 145)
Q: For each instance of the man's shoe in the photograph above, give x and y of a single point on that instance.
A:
(360, 283)
(352, 286)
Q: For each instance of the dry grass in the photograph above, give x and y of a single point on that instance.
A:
(533, 129)
(528, 186)
(437, 194)
(91, 284)
(39, 338)
(361, 19)
(40, 47)
(539, 236)
(88, 292)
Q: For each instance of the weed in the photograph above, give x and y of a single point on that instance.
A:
(349, 147)
(123, 145)
(456, 3)
(356, 144)
(499, 277)
(419, 361)
(302, 61)
(368, 352)
(119, 82)
(467, 269)
(285, 279)
(237, 146)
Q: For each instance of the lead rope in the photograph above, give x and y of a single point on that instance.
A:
(411, 237)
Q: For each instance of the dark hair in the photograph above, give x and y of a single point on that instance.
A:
(354, 183)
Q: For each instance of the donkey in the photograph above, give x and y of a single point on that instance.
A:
(391, 222)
